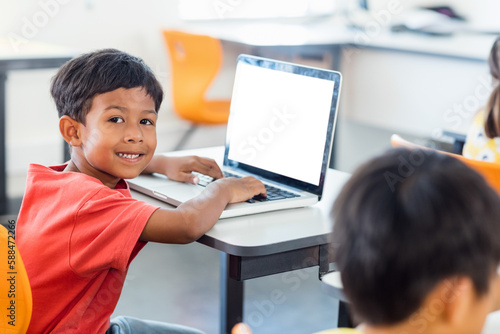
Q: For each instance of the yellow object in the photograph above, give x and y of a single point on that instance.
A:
(477, 145)
(489, 170)
(242, 328)
(340, 331)
(15, 293)
(195, 61)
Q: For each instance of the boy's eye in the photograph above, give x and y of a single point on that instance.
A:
(146, 122)
(116, 120)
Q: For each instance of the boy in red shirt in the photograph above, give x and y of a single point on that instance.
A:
(78, 228)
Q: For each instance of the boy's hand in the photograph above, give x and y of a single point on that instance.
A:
(240, 190)
(180, 168)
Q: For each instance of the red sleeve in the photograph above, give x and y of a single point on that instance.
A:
(106, 230)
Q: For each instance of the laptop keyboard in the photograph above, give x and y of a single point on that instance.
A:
(204, 180)
(273, 193)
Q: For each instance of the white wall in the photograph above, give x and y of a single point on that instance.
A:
(85, 25)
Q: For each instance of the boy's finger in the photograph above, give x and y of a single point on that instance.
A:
(209, 167)
(188, 178)
(257, 185)
(263, 190)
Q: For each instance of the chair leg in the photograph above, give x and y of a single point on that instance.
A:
(185, 137)
(344, 316)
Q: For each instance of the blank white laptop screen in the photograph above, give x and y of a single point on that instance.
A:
(278, 116)
(280, 130)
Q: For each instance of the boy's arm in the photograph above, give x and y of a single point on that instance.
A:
(180, 168)
(195, 217)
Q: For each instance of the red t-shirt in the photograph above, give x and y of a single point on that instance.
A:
(77, 238)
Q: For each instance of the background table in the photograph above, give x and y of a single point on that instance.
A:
(27, 56)
(406, 83)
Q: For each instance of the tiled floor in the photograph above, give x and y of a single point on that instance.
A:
(180, 283)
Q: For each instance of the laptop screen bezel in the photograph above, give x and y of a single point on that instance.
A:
(276, 65)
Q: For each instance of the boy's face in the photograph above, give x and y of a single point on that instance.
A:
(119, 137)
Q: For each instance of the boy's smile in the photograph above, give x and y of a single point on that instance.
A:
(118, 139)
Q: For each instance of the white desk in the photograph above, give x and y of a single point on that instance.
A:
(29, 56)
(332, 285)
(318, 31)
(265, 244)
(330, 32)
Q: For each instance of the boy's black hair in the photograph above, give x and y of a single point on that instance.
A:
(407, 220)
(79, 80)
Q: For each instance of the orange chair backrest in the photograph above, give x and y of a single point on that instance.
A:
(489, 170)
(195, 61)
(15, 292)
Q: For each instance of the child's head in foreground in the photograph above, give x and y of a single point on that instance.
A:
(418, 243)
(108, 104)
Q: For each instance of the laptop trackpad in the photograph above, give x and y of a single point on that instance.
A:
(177, 192)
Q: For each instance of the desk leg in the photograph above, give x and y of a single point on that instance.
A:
(231, 292)
(3, 147)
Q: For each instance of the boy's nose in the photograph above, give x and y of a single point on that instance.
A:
(133, 134)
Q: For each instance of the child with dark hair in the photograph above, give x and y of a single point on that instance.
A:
(78, 228)
(417, 237)
(483, 139)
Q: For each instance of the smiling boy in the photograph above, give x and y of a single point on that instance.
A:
(78, 228)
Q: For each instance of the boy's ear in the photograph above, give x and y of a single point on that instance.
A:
(70, 130)
(495, 285)
(458, 296)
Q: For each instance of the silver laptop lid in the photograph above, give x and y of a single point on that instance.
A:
(282, 121)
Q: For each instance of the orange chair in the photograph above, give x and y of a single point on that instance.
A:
(15, 292)
(489, 170)
(195, 61)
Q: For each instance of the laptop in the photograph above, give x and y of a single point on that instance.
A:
(280, 130)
